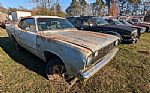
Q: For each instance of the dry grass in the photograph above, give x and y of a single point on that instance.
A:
(129, 71)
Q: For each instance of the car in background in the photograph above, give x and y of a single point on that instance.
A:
(124, 18)
(119, 23)
(6, 23)
(140, 29)
(147, 18)
(139, 22)
(99, 24)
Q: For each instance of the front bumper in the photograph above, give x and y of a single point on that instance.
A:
(90, 72)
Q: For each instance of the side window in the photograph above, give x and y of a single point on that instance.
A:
(28, 24)
(21, 23)
(71, 20)
(111, 22)
(87, 22)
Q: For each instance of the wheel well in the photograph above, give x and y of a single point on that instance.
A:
(49, 55)
(12, 36)
(147, 29)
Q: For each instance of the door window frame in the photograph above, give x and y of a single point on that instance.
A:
(23, 19)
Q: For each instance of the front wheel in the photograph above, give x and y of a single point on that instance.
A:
(134, 40)
(55, 68)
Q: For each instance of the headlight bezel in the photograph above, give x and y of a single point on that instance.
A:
(135, 31)
(89, 59)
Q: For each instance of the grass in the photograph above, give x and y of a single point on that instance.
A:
(128, 72)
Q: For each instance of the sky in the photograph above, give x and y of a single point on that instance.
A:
(27, 3)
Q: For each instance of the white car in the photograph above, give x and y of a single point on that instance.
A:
(66, 50)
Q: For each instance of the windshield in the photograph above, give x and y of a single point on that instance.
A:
(45, 24)
(118, 22)
(100, 21)
(125, 22)
(134, 20)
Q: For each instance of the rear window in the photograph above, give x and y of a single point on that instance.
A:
(134, 20)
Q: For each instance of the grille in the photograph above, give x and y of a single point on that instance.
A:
(103, 52)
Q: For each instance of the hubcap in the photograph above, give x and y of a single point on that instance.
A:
(58, 69)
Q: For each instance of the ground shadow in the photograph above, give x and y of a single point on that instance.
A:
(23, 57)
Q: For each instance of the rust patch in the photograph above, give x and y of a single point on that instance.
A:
(85, 41)
(56, 38)
(83, 48)
(91, 33)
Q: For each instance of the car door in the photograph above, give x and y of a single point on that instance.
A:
(27, 33)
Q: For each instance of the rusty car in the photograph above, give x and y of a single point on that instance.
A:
(67, 51)
(140, 22)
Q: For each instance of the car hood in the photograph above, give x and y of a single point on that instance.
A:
(120, 27)
(90, 40)
(145, 24)
(134, 26)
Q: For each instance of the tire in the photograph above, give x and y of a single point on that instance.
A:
(51, 68)
(134, 41)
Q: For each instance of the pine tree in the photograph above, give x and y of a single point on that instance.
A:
(73, 9)
(98, 5)
(83, 5)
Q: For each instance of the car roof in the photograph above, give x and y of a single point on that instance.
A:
(44, 17)
(84, 17)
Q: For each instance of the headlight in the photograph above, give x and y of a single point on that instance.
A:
(96, 54)
(89, 59)
(116, 43)
(135, 31)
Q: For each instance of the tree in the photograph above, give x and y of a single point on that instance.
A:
(83, 5)
(135, 2)
(44, 8)
(97, 6)
(114, 10)
(73, 9)
(42, 3)
(56, 10)
(108, 5)
(2, 9)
